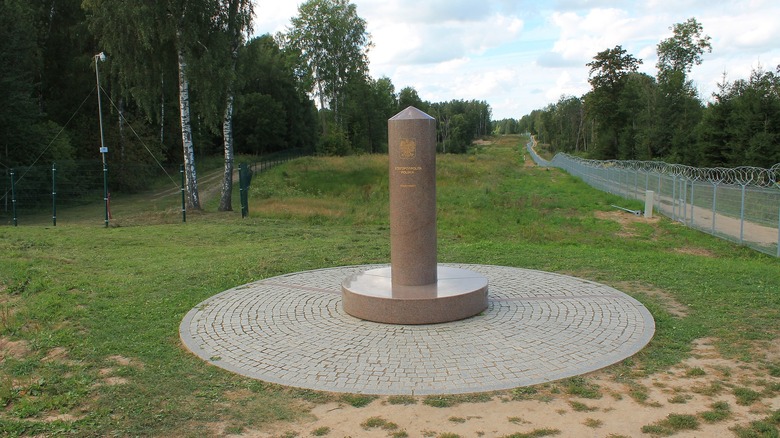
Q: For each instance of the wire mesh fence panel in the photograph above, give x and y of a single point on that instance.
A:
(135, 193)
(69, 191)
(738, 204)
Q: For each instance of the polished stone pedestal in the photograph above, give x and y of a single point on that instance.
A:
(457, 294)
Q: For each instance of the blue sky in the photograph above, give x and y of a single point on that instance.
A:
(523, 55)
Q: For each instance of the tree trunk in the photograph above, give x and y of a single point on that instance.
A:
(121, 132)
(193, 199)
(162, 108)
(226, 201)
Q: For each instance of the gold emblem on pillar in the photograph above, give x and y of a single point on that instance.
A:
(408, 148)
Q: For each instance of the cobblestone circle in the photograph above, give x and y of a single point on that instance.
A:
(538, 327)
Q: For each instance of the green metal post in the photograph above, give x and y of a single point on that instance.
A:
(183, 204)
(242, 188)
(13, 196)
(105, 186)
(53, 194)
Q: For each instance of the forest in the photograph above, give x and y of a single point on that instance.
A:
(629, 115)
(184, 80)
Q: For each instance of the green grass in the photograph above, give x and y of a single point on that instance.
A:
(401, 400)
(84, 302)
(536, 433)
(447, 401)
(358, 400)
(672, 424)
(378, 422)
(719, 411)
(746, 396)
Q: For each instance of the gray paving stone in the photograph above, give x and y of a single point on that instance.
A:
(538, 327)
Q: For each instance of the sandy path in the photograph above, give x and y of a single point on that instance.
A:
(615, 414)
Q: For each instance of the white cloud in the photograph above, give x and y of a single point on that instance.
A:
(521, 55)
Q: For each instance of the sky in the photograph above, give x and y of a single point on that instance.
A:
(522, 55)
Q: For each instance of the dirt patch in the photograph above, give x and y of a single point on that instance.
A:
(671, 305)
(107, 377)
(68, 418)
(120, 360)
(624, 406)
(15, 349)
(125, 361)
(58, 354)
(695, 251)
(625, 218)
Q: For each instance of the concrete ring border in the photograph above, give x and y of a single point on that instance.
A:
(539, 327)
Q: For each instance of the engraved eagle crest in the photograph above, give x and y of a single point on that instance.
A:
(408, 148)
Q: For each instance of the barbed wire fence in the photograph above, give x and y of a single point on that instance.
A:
(740, 204)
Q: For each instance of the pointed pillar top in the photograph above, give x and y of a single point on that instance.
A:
(411, 113)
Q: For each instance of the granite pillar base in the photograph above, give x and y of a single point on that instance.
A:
(457, 294)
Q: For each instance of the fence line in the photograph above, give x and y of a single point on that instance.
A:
(33, 190)
(739, 204)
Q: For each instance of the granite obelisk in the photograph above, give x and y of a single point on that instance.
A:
(414, 289)
(412, 154)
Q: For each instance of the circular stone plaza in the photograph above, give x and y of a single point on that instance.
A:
(538, 327)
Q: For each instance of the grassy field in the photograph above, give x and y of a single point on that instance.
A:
(89, 316)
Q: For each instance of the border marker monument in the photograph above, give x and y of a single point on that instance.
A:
(414, 289)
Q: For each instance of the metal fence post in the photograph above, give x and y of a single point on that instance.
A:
(714, 205)
(183, 203)
(742, 218)
(684, 199)
(244, 178)
(105, 187)
(53, 194)
(674, 198)
(13, 197)
(693, 185)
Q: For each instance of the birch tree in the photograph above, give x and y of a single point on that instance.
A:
(137, 37)
(237, 16)
(334, 45)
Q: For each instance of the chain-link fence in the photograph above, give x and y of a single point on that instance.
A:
(740, 204)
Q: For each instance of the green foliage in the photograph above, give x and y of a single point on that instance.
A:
(757, 429)
(358, 400)
(321, 431)
(272, 112)
(401, 400)
(633, 116)
(741, 126)
(334, 143)
(460, 123)
(524, 393)
(672, 424)
(536, 433)
(684, 49)
(580, 387)
(719, 412)
(581, 407)
(746, 396)
(446, 401)
(695, 372)
(378, 422)
(27, 133)
(333, 45)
